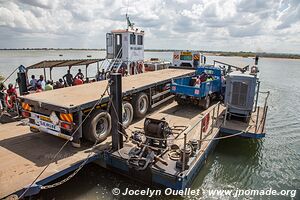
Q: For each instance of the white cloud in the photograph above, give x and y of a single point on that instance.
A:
(195, 24)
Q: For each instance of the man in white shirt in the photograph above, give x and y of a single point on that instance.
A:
(32, 83)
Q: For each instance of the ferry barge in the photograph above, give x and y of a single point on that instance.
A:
(130, 125)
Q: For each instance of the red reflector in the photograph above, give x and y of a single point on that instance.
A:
(65, 126)
(26, 114)
(173, 88)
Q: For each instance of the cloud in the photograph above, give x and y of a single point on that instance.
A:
(199, 24)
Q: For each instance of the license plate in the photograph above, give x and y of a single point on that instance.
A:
(47, 125)
(47, 119)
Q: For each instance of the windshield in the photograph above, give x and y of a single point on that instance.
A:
(185, 57)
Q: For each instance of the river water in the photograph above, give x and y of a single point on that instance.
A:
(272, 162)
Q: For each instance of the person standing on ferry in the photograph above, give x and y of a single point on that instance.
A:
(68, 78)
(79, 74)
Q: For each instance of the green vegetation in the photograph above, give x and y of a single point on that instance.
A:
(238, 54)
(263, 54)
(217, 53)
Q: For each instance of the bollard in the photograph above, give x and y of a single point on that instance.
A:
(116, 110)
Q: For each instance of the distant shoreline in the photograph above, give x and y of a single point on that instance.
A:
(216, 53)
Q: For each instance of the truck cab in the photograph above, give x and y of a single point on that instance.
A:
(188, 59)
(200, 88)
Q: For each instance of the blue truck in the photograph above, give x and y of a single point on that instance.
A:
(190, 90)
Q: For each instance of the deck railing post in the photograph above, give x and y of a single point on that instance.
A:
(226, 110)
(184, 152)
(201, 132)
(265, 116)
(218, 110)
(213, 121)
(257, 116)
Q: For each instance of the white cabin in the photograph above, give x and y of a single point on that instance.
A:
(126, 45)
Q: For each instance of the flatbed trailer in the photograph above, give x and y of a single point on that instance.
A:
(141, 91)
(80, 97)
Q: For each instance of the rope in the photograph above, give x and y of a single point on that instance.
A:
(63, 146)
(227, 136)
(10, 74)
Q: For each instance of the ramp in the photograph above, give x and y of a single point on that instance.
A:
(24, 154)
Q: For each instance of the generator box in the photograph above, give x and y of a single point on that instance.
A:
(240, 92)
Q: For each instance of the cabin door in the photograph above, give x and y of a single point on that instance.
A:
(118, 45)
(109, 46)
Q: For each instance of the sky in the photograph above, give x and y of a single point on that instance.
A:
(219, 25)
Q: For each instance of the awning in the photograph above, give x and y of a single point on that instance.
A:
(63, 63)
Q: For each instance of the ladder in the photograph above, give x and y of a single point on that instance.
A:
(115, 63)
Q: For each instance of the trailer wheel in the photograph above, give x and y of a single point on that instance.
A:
(206, 102)
(127, 114)
(140, 105)
(98, 126)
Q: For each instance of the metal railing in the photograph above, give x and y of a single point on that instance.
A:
(204, 128)
(264, 114)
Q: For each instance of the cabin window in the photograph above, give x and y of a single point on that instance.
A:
(132, 38)
(140, 40)
(118, 39)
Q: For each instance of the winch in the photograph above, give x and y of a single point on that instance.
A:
(150, 144)
(157, 132)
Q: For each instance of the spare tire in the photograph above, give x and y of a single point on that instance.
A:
(98, 126)
(140, 105)
(127, 114)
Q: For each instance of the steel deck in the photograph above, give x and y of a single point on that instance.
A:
(235, 126)
(170, 176)
(23, 154)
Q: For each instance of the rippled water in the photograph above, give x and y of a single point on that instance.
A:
(272, 162)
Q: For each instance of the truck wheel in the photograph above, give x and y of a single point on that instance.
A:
(179, 100)
(98, 126)
(140, 105)
(206, 102)
(127, 114)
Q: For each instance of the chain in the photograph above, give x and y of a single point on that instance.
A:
(62, 147)
(79, 168)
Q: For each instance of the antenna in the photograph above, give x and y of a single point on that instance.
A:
(129, 24)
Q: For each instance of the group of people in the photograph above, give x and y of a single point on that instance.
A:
(8, 95)
(203, 77)
(39, 85)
